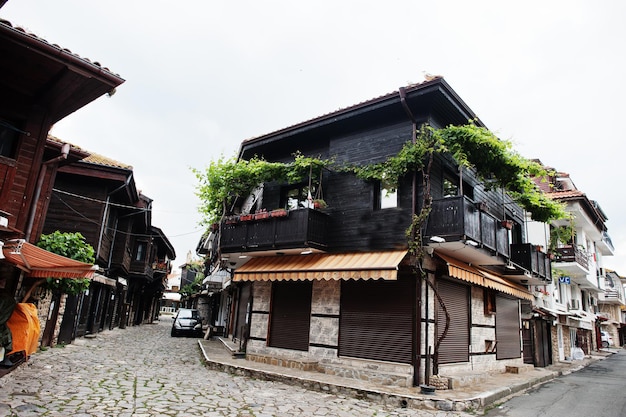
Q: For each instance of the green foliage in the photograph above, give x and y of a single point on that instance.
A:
(196, 285)
(475, 148)
(561, 234)
(225, 180)
(73, 246)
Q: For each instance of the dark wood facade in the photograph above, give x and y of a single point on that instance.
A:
(378, 320)
(40, 84)
(98, 198)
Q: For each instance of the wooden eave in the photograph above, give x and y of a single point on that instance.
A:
(35, 73)
(119, 176)
(425, 99)
(165, 243)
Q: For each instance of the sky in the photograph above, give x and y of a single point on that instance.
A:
(204, 75)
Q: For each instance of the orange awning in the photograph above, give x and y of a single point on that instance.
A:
(365, 265)
(40, 263)
(466, 272)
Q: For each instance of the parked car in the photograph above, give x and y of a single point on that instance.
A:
(187, 321)
(606, 338)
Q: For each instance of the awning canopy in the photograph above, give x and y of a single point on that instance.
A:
(362, 265)
(466, 272)
(40, 263)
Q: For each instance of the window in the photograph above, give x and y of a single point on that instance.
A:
(8, 139)
(489, 297)
(141, 251)
(385, 196)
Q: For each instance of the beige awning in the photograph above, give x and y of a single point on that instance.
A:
(40, 263)
(466, 272)
(362, 265)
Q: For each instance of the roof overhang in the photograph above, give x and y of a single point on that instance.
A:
(39, 73)
(323, 266)
(40, 263)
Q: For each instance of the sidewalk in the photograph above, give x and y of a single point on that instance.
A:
(217, 354)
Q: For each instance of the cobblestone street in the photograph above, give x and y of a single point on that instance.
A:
(142, 371)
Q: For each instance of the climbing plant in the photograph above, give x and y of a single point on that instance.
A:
(226, 179)
(73, 246)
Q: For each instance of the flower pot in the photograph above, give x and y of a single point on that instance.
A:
(246, 217)
(262, 215)
(507, 224)
(278, 213)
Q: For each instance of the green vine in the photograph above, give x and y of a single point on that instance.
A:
(561, 235)
(73, 246)
(475, 148)
(225, 180)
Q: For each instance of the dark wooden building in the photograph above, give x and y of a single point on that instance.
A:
(333, 286)
(97, 197)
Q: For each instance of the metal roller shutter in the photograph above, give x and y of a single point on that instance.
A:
(291, 315)
(377, 319)
(507, 328)
(455, 346)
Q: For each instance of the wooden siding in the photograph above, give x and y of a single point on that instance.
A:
(371, 136)
(78, 210)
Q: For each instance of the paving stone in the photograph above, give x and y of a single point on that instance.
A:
(141, 371)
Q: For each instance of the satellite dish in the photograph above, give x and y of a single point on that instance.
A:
(253, 201)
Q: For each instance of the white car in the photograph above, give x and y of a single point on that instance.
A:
(606, 338)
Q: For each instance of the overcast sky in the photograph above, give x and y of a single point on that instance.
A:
(201, 76)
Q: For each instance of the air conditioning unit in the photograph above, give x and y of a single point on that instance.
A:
(574, 305)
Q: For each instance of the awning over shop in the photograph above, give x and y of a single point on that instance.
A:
(40, 263)
(362, 265)
(583, 315)
(466, 272)
(555, 313)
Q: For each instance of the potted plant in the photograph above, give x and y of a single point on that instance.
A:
(281, 212)
(261, 215)
(319, 204)
(507, 224)
(246, 217)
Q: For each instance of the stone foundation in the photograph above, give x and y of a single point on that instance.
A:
(302, 364)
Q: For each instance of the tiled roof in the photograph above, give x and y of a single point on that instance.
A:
(65, 50)
(98, 159)
(558, 195)
(93, 157)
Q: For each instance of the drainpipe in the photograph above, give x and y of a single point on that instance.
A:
(417, 316)
(65, 150)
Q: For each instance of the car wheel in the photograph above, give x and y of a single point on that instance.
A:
(605, 344)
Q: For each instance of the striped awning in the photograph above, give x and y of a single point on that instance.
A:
(466, 272)
(326, 266)
(40, 263)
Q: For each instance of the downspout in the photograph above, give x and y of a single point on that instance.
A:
(65, 150)
(417, 311)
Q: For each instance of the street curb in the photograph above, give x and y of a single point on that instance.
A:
(389, 399)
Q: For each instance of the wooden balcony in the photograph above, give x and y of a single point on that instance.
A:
(456, 219)
(299, 228)
(533, 259)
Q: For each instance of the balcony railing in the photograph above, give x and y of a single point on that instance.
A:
(571, 254)
(458, 218)
(533, 259)
(299, 228)
(612, 294)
